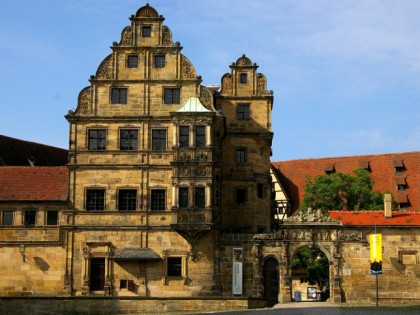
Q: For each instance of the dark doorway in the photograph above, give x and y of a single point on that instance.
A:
(271, 281)
(97, 274)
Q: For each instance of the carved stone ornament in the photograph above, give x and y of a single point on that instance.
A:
(243, 61)
(127, 36)
(351, 237)
(184, 157)
(206, 97)
(187, 71)
(227, 84)
(184, 171)
(261, 84)
(105, 68)
(200, 171)
(147, 11)
(166, 36)
(84, 101)
(310, 216)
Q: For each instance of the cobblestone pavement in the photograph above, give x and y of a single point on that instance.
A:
(314, 308)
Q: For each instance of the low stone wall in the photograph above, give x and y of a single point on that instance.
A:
(114, 305)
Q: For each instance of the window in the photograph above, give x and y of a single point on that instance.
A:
(260, 190)
(95, 199)
(7, 218)
(200, 136)
(119, 96)
(174, 266)
(52, 217)
(128, 139)
(243, 111)
(159, 61)
(126, 284)
(399, 169)
(401, 188)
(200, 197)
(132, 61)
(240, 156)
(243, 78)
(171, 96)
(29, 217)
(241, 195)
(159, 139)
(184, 136)
(97, 139)
(127, 199)
(158, 199)
(183, 197)
(146, 31)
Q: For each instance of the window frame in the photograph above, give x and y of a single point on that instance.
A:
(149, 31)
(243, 111)
(127, 201)
(184, 138)
(119, 95)
(174, 266)
(48, 218)
(243, 78)
(29, 215)
(100, 139)
(159, 143)
(132, 140)
(171, 98)
(12, 218)
(200, 136)
(158, 203)
(240, 156)
(241, 195)
(159, 61)
(183, 197)
(97, 199)
(132, 61)
(200, 197)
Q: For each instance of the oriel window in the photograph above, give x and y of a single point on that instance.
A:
(184, 136)
(183, 197)
(200, 197)
(200, 136)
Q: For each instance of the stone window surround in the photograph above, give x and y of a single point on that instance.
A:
(192, 133)
(184, 271)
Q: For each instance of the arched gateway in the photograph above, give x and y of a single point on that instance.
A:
(274, 251)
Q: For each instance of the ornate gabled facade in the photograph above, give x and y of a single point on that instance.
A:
(162, 166)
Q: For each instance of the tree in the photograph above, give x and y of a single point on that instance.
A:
(340, 191)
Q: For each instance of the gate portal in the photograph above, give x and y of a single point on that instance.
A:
(271, 281)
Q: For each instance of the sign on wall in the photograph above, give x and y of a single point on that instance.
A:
(375, 241)
(237, 271)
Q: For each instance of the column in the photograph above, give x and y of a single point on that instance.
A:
(174, 196)
(175, 140)
(208, 136)
(208, 194)
(192, 138)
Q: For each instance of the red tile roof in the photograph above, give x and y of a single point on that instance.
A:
(16, 152)
(292, 174)
(400, 218)
(25, 183)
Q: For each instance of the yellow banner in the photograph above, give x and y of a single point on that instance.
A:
(375, 241)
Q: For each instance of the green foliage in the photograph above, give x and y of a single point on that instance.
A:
(316, 263)
(340, 191)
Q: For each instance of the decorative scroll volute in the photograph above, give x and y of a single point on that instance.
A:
(105, 68)
(188, 71)
(127, 36)
(206, 97)
(227, 84)
(83, 106)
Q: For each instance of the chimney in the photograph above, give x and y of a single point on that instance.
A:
(388, 206)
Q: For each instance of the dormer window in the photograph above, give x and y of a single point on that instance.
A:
(146, 31)
(243, 78)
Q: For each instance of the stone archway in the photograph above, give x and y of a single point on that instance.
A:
(271, 281)
(310, 274)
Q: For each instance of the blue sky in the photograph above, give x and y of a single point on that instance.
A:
(345, 74)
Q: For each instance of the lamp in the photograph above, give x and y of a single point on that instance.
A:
(22, 251)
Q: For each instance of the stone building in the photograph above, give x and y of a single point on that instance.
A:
(168, 194)
(162, 167)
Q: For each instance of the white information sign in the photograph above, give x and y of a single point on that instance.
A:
(237, 271)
